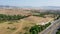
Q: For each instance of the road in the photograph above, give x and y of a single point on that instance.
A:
(52, 28)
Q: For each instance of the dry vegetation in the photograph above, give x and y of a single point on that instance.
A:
(23, 25)
(14, 12)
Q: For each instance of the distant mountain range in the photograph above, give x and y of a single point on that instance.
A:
(42, 7)
(6, 6)
(51, 7)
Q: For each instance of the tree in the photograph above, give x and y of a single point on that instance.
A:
(38, 28)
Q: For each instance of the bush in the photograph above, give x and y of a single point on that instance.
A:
(26, 28)
(58, 32)
(38, 28)
(14, 28)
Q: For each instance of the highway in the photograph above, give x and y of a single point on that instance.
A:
(52, 28)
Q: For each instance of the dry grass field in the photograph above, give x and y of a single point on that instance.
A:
(23, 25)
(14, 12)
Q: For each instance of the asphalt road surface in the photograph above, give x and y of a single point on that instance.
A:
(52, 28)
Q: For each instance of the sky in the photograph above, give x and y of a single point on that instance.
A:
(33, 3)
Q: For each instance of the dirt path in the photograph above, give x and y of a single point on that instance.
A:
(21, 25)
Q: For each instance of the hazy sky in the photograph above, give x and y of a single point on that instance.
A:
(34, 3)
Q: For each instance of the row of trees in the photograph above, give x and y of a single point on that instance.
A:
(39, 14)
(38, 28)
(11, 17)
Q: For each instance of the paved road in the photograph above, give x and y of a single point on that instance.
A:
(52, 28)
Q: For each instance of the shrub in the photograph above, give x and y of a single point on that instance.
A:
(14, 28)
(26, 28)
(38, 28)
(58, 32)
